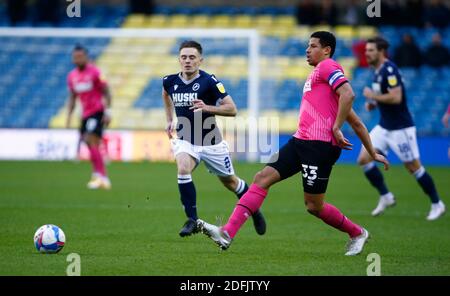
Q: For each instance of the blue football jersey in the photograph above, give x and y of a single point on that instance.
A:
(393, 116)
(197, 128)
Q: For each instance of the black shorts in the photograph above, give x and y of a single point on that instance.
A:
(314, 159)
(93, 124)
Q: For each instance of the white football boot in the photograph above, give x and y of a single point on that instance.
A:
(437, 210)
(99, 182)
(386, 201)
(220, 237)
(356, 244)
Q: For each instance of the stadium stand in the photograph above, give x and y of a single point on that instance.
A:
(41, 65)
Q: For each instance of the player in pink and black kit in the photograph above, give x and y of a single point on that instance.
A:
(313, 150)
(86, 83)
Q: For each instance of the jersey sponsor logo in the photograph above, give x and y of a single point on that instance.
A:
(220, 87)
(83, 86)
(307, 86)
(196, 86)
(175, 87)
(392, 80)
(390, 69)
(183, 99)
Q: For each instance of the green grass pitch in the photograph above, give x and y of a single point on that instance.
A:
(133, 229)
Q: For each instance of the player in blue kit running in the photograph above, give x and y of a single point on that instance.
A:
(196, 97)
(395, 131)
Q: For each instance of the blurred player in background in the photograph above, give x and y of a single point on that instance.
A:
(86, 83)
(196, 97)
(445, 120)
(396, 130)
(313, 149)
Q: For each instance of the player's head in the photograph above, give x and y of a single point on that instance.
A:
(80, 56)
(190, 56)
(320, 47)
(376, 50)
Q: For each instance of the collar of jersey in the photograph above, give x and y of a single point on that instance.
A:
(188, 81)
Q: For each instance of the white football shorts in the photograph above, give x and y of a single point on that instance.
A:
(216, 157)
(402, 141)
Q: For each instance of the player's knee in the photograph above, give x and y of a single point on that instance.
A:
(363, 159)
(230, 182)
(262, 179)
(184, 169)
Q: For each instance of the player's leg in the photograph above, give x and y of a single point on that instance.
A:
(218, 161)
(283, 164)
(93, 136)
(406, 148)
(239, 187)
(188, 195)
(317, 162)
(427, 184)
(333, 216)
(373, 173)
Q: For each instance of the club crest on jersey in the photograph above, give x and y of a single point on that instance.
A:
(175, 87)
(392, 80)
(196, 86)
(221, 87)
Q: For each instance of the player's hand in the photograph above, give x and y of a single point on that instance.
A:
(368, 93)
(106, 120)
(380, 158)
(169, 130)
(199, 106)
(342, 142)
(369, 106)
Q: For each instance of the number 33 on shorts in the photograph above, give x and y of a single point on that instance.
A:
(310, 175)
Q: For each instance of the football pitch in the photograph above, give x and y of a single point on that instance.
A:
(133, 229)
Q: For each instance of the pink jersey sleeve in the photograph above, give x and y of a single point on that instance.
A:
(69, 82)
(332, 73)
(99, 81)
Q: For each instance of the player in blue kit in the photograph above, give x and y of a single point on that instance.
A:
(395, 131)
(196, 97)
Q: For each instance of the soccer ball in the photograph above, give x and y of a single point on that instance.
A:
(49, 238)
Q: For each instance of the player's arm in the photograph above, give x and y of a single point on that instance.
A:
(346, 97)
(394, 95)
(226, 107)
(362, 133)
(446, 116)
(70, 108)
(108, 100)
(169, 108)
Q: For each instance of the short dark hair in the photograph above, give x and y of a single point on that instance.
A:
(380, 43)
(191, 44)
(79, 47)
(326, 39)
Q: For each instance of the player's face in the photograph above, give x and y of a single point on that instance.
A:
(190, 60)
(79, 58)
(315, 53)
(372, 54)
